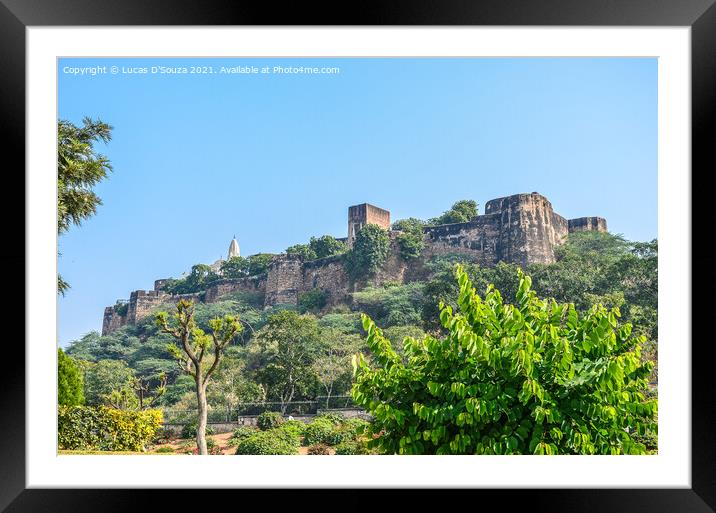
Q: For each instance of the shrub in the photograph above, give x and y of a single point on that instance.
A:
(312, 301)
(318, 431)
(165, 450)
(350, 447)
(335, 417)
(318, 449)
(337, 435)
(531, 378)
(268, 442)
(106, 429)
(189, 430)
(243, 431)
(293, 427)
(356, 426)
(269, 420)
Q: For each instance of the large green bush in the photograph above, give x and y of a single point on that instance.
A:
(312, 301)
(318, 431)
(269, 420)
(354, 446)
(273, 441)
(535, 377)
(335, 417)
(293, 427)
(106, 429)
(70, 384)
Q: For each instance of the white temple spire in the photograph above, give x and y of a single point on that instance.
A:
(233, 249)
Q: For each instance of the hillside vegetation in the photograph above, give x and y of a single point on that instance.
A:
(591, 268)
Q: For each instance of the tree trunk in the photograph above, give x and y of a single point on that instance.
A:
(328, 397)
(201, 421)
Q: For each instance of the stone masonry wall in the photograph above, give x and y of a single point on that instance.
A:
(284, 281)
(223, 287)
(522, 229)
(529, 228)
(597, 224)
(329, 275)
(112, 320)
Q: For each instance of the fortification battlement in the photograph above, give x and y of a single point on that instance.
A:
(522, 229)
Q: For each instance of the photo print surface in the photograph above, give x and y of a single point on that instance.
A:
(357, 256)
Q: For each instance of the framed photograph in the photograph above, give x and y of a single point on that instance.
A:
(423, 242)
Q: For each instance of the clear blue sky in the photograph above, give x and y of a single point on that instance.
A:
(276, 158)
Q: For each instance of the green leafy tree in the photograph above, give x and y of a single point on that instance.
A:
(79, 168)
(230, 386)
(442, 287)
(302, 251)
(531, 378)
(259, 263)
(288, 346)
(391, 304)
(70, 383)
(410, 224)
(333, 365)
(411, 239)
(198, 354)
(461, 212)
(235, 267)
(109, 382)
(370, 251)
(327, 246)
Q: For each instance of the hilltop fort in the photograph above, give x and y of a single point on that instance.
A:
(522, 229)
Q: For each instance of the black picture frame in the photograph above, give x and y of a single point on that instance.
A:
(700, 15)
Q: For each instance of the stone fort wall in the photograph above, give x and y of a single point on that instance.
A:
(522, 229)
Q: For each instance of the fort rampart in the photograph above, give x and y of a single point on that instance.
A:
(522, 229)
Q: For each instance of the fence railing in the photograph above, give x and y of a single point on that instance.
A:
(218, 415)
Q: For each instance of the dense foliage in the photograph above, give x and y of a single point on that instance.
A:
(369, 252)
(106, 429)
(536, 377)
(269, 420)
(284, 351)
(410, 239)
(312, 300)
(391, 304)
(70, 384)
(202, 276)
(273, 441)
(591, 268)
(318, 247)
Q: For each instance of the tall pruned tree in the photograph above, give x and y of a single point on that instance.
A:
(198, 354)
(79, 168)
